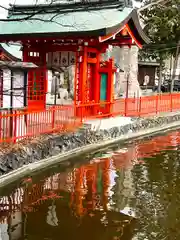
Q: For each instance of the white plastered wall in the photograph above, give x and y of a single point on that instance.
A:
(17, 101)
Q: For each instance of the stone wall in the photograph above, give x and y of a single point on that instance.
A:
(50, 145)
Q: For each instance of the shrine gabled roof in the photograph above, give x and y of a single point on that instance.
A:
(65, 20)
(12, 50)
(17, 65)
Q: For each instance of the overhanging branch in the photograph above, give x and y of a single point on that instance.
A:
(26, 17)
(152, 4)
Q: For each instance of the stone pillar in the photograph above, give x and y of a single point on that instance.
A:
(134, 88)
(127, 59)
(126, 51)
(118, 55)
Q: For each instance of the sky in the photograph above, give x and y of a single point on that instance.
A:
(5, 3)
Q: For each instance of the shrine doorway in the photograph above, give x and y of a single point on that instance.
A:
(37, 79)
(61, 79)
(36, 89)
(103, 87)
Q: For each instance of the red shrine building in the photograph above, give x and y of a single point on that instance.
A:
(83, 31)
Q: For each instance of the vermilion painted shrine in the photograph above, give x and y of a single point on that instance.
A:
(86, 30)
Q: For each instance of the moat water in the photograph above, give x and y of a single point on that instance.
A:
(129, 192)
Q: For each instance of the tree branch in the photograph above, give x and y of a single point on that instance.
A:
(151, 4)
(33, 15)
(27, 17)
(5, 8)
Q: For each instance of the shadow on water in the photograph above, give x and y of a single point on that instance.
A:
(129, 192)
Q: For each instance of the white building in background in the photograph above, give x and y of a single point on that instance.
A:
(13, 96)
(11, 52)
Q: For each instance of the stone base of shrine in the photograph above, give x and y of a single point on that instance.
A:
(108, 123)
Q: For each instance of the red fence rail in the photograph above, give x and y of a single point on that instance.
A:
(16, 125)
(20, 124)
(131, 107)
(147, 105)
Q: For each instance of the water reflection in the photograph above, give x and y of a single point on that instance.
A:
(129, 193)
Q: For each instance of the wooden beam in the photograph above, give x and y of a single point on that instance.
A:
(112, 38)
(133, 37)
(111, 35)
(84, 75)
(51, 48)
(91, 60)
(119, 42)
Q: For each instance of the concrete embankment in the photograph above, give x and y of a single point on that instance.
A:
(25, 158)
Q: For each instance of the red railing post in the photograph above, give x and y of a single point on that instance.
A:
(157, 100)
(80, 110)
(20, 124)
(53, 117)
(111, 107)
(140, 99)
(171, 102)
(126, 107)
(15, 126)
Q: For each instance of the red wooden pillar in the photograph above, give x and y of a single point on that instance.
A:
(96, 87)
(97, 79)
(84, 90)
(76, 78)
(81, 79)
(25, 54)
(84, 76)
(43, 76)
(44, 69)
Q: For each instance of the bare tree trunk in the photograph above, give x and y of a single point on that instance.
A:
(175, 66)
(160, 75)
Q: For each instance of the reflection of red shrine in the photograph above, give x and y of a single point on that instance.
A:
(81, 211)
(86, 29)
(79, 190)
(88, 184)
(91, 187)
